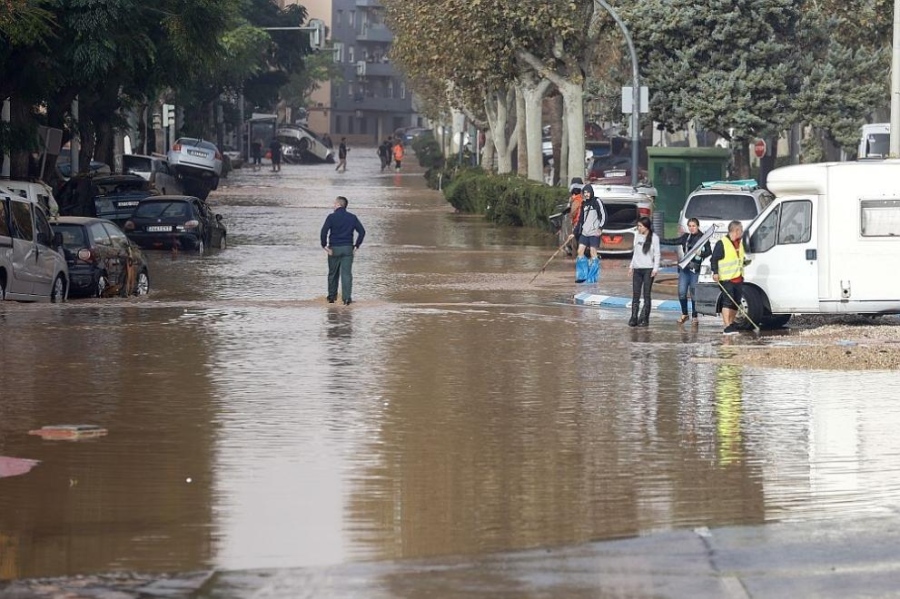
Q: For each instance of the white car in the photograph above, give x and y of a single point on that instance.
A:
(154, 169)
(196, 158)
(720, 202)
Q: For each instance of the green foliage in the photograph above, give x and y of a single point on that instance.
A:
(504, 199)
(428, 151)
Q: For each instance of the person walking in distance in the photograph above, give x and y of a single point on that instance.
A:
(384, 153)
(727, 264)
(643, 268)
(275, 150)
(337, 241)
(690, 274)
(398, 155)
(587, 231)
(256, 153)
(342, 156)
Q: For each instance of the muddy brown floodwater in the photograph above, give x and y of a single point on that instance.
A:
(453, 409)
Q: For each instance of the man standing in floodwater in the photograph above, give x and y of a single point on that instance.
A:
(337, 241)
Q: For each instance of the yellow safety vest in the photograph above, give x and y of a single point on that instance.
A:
(731, 266)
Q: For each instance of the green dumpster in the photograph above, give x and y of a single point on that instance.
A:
(676, 172)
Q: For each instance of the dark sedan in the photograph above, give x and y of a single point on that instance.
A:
(182, 222)
(102, 261)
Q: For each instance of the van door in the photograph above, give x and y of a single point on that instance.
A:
(47, 257)
(784, 257)
(6, 246)
(25, 255)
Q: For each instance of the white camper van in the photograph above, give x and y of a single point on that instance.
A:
(827, 244)
(875, 141)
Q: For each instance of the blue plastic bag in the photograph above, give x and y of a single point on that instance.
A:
(581, 269)
(593, 271)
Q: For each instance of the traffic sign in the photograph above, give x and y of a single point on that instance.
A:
(759, 148)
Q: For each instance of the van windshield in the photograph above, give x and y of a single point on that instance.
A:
(877, 145)
(725, 206)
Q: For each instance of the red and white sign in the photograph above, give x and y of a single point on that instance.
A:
(759, 148)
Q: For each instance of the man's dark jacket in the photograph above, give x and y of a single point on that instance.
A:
(341, 224)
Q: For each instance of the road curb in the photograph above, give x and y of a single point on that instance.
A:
(610, 301)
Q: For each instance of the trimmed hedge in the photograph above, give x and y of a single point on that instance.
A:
(504, 199)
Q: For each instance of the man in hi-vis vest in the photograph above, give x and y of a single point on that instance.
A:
(727, 263)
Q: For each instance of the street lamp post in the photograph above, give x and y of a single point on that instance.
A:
(895, 85)
(635, 92)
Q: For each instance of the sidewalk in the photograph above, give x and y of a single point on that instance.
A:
(814, 559)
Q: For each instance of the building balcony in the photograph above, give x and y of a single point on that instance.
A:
(373, 103)
(375, 33)
(368, 3)
(365, 68)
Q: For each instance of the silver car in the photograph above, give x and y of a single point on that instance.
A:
(192, 157)
(31, 266)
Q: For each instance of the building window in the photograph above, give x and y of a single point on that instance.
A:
(340, 18)
(352, 18)
(362, 126)
(338, 52)
(390, 89)
(350, 90)
(402, 90)
(350, 54)
(338, 124)
(350, 121)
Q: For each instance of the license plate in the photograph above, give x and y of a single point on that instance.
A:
(197, 153)
(159, 228)
(127, 204)
(618, 173)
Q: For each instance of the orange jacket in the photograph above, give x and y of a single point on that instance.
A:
(577, 199)
(398, 152)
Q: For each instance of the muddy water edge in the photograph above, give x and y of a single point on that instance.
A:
(452, 409)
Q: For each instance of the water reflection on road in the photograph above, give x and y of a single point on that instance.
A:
(453, 409)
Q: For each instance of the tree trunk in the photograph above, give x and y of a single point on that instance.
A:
(522, 162)
(741, 154)
(556, 135)
(767, 162)
(496, 106)
(488, 153)
(574, 118)
(533, 94)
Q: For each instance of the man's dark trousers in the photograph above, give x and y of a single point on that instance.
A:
(340, 263)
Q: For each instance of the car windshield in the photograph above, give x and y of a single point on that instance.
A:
(724, 206)
(73, 236)
(162, 209)
(140, 164)
(878, 145)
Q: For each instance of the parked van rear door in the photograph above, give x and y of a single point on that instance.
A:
(47, 257)
(6, 247)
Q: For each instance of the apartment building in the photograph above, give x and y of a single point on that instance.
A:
(372, 100)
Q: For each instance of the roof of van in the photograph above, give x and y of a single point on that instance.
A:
(739, 184)
(813, 178)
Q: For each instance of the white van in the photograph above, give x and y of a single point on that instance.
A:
(875, 141)
(31, 267)
(36, 192)
(827, 244)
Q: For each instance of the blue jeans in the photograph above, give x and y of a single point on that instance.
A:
(687, 281)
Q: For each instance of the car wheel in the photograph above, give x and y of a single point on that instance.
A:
(214, 184)
(102, 285)
(752, 304)
(58, 292)
(2, 290)
(142, 285)
(222, 243)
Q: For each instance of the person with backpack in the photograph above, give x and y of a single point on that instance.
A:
(587, 233)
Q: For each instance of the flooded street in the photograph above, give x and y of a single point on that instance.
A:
(452, 409)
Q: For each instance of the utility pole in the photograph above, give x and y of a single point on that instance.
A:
(895, 85)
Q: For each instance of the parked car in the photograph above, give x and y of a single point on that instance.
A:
(156, 170)
(720, 202)
(612, 167)
(623, 204)
(183, 222)
(31, 265)
(102, 261)
(190, 156)
(116, 196)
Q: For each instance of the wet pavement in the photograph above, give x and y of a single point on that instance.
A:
(453, 417)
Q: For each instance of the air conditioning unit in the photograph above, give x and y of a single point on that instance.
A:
(361, 68)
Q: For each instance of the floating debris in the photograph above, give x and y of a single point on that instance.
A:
(69, 432)
(16, 466)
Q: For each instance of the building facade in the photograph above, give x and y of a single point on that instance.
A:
(371, 101)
